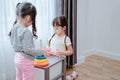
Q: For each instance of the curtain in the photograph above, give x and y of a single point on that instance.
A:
(45, 15)
(69, 9)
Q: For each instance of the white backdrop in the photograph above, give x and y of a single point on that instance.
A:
(45, 14)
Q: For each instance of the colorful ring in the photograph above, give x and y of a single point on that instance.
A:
(40, 61)
(41, 64)
(40, 57)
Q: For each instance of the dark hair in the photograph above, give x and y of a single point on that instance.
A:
(16, 8)
(60, 21)
(15, 20)
(26, 8)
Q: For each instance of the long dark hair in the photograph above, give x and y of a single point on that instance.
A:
(26, 8)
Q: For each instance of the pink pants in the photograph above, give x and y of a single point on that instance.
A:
(24, 67)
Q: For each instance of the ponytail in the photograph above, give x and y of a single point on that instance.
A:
(13, 24)
(34, 31)
(15, 20)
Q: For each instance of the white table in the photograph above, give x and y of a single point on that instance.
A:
(56, 70)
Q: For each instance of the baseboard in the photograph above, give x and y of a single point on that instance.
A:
(115, 56)
(108, 54)
(89, 52)
(85, 54)
(80, 60)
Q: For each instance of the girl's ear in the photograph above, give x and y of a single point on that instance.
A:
(28, 18)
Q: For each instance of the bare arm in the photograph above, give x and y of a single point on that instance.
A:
(68, 52)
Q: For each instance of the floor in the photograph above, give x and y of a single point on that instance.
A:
(97, 68)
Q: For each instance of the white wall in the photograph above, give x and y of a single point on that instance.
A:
(99, 28)
(85, 33)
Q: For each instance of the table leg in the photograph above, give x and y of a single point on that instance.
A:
(64, 69)
(47, 74)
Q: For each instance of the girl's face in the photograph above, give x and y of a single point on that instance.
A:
(59, 29)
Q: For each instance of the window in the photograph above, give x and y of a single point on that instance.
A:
(45, 14)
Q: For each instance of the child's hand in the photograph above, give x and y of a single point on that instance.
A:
(46, 50)
(51, 53)
(58, 53)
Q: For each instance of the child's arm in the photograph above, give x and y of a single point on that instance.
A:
(47, 49)
(68, 52)
(28, 44)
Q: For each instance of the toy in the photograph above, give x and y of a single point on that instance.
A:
(51, 53)
(41, 61)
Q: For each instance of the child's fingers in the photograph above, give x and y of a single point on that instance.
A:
(58, 53)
